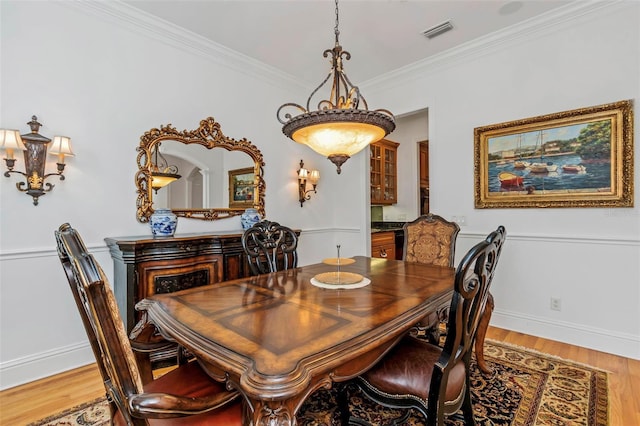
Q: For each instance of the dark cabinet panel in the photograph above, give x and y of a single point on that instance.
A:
(144, 266)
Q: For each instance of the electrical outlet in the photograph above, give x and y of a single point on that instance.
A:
(460, 220)
(556, 304)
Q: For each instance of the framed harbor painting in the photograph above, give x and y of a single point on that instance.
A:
(577, 158)
(242, 188)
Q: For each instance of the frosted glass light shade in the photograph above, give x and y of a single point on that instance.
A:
(338, 133)
(338, 138)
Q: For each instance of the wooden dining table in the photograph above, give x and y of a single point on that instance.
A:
(278, 337)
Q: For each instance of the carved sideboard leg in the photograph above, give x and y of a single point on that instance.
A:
(482, 332)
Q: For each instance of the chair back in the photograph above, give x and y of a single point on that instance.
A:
(99, 312)
(270, 247)
(472, 281)
(430, 239)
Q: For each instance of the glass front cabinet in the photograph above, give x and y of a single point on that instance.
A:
(384, 172)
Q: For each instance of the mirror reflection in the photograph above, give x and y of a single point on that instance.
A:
(199, 174)
(204, 179)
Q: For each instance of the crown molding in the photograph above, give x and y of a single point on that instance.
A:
(555, 20)
(137, 21)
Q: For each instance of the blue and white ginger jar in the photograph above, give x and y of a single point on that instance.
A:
(163, 223)
(249, 218)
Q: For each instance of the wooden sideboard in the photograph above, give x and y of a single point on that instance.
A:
(144, 265)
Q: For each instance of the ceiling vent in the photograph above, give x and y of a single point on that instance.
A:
(436, 30)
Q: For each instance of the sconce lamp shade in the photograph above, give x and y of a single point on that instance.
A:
(314, 177)
(10, 140)
(61, 146)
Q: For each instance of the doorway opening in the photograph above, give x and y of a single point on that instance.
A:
(423, 176)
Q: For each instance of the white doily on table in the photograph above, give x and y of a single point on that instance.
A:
(340, 280)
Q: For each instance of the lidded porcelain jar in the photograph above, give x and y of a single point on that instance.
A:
(163, 223)
(249, 218)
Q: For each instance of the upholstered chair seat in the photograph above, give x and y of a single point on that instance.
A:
(187, 381)
(418, 357)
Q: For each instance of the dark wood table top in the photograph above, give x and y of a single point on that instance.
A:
(277, 337)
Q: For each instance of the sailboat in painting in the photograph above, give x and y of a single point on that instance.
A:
(574, 168)
(542, 167)
(520, 164)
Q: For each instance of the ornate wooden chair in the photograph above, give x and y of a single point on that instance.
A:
(270, 247)
(432, 379)
(184, 396)
(431, 239)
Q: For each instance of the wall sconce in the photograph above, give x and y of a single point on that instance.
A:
(35, 147)
(305, 175)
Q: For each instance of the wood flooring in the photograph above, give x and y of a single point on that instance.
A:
(33, 401)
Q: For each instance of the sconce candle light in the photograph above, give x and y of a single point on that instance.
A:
(35, 147)
(305, 175)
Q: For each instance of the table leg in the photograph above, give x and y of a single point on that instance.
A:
(481, 334)
(269, 413)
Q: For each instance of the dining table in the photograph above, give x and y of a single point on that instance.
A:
(279, 337)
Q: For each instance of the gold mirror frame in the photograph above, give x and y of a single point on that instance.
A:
(210, 136)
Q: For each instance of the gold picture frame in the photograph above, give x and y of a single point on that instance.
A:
(242, 188)
(577, 158)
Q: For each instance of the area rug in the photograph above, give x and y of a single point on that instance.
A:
(525, 388)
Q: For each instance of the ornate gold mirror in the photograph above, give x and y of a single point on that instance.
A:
(182, 171)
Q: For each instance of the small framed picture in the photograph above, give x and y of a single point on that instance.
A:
(242, 188)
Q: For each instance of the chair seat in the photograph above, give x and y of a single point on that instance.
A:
(407, 370)
(190, 380)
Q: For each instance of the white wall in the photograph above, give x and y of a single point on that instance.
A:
(103, 75)
(588, 257)
(111, 75)
(410, 129)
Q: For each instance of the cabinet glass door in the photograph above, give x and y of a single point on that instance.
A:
(376, 172)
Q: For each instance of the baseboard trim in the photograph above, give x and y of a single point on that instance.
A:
(621, 344)
(44, 364)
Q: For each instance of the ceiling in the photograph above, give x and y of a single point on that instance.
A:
(381, 35)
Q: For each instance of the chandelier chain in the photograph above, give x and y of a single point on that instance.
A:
(336, 30)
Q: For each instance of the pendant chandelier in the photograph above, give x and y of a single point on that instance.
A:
(342, 125)
(162, 174)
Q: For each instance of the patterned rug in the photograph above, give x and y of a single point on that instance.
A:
(525, 388)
